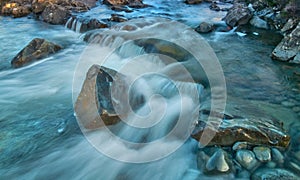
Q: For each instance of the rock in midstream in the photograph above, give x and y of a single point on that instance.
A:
(247, 159)
(217, 162)
(262, 153)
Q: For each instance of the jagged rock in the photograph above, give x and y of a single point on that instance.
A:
(193, 1)
(214, 6)
(289, 47)
(94, 107)
(259, 23)
(55, 14)
(35, 50)
(204, 27)
(258, 131)
(263, 154)
(273, 174)
(239, 14)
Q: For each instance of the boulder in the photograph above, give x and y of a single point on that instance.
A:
(193, 1)
(259, 131)
(130, 3)
(239, 14)
(35, 50)
(90, 24)
(289, 47)
(259, 23)
(204, 27)
(16, 10)
(55, 14)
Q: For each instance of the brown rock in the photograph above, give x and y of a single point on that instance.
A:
(205, 27)
(35, 50)
(130, 3)
(239, 14)
(55, 14)
(16, 10)
(193, 1)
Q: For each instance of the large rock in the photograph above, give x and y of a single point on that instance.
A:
(85, 24)
(259, 23)
(16, 10)
(288, 49)
(193, 1)
(35, 50)
(130, 3)
(55, 14)
(205, 27)
(258, 131)
(239, 14)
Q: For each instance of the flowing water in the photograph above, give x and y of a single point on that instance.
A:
(40, 138)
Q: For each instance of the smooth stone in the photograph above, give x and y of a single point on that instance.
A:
(273, 174)
(239, 145)
(271, 164)
(277, 155)
(247, 159)
(259, 23)
(263, 154)
(217, 162)
(204, 27)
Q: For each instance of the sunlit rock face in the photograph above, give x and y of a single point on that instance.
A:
(35, 50)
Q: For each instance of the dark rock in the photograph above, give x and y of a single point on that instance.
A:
(121, 8)
(259, 131)
(117, 18)
(193, 1)
(273, 174)
(239, 14)
(214, 6)
(205, 27)
(90, 24)
(16, 10)
(289, 47)
(35, 50)
(93, 107)
(130, 3)
(55, 14)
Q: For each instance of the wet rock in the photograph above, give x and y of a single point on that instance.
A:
(260, 131)
(214, 7)
(130, 3)
(289, 47)
(277, 155)
(263, 154)
(16, 10)
(193, 1)
(90, 24)
(35, 50)
(202, 159)
(247, 159)
(289, 26)
(273, 174)
(259, 23)
(240, 145)
(121, 8)
(117, 18)
(217, 162)
(239, 14)
(93, 107)
(205, 27)
(55, 14)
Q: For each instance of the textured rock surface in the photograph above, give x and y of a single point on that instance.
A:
(193, 1)
(130, 3)
(205, 27)
(247, 159)
(55, 14)
(273, 174)
(239, 14)
(35, 50)
(217, 162)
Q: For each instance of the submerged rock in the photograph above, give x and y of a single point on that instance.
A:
(35, 50)
(247, 159)
(239, 14)
(273, 174)
(217, 162)
(277, 155)
(289, 48)
(55, 14)
(204, 27)
(263, 154)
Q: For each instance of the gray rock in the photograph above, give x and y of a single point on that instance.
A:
(205, 27)
(35, 50)
(247, 159)
(273, 174)
(217, 162)
(239, 14)
(55, 14)
(259, 23)
(263, 154)
(239, 145)
(277, 155)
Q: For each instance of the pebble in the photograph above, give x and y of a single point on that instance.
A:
(273, 174)
(277, 155)
(247, 159)
(263, 154)
(217, 162)
(239, 145)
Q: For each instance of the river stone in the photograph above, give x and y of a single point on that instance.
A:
(130, 3)
(90, 24)
(262, 153)
(94, 107)
(239, 145)
(259, 131)
(16, 10)
(259, 23)
(289, 47)
(193, 1)
(247, 159)
(217, 162)
(55, 14)
(273, 174)
(237, 15)
(204, 27)
(35, 50)
(277, 155)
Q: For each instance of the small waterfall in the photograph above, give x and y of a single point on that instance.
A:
(74, 24)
